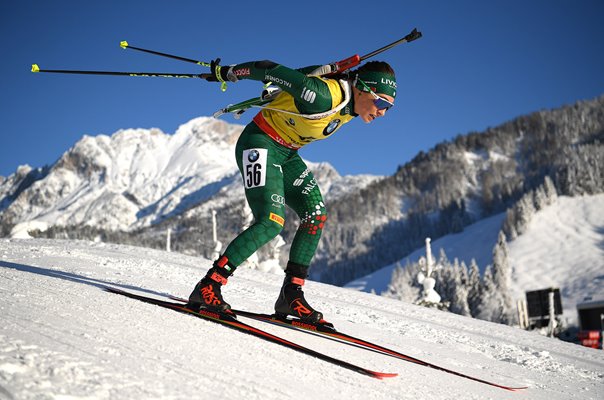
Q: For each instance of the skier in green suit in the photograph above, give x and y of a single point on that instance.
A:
(307, 109)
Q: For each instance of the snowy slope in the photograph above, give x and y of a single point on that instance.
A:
(62, 337)
(563, 247)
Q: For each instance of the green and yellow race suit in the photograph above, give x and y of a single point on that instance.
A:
(274, 174)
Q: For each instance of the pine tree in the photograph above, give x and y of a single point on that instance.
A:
(474, 289)
(463, 271)
(550, 190)
(509, 224)
(496, 302)
(501, 279)
(524, 212)
(444, 277)
(540, 198)
(490, 307)
(459, 298)
(402, 284)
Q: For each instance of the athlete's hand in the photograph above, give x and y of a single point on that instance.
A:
(221, 73)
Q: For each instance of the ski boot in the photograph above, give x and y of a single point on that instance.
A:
(291, 299)
(207, 293)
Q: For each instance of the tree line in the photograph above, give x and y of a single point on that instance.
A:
(462, 288)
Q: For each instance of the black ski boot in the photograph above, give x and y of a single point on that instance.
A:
(207, 291)
(291, 299)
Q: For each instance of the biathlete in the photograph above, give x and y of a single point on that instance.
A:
(307, 109)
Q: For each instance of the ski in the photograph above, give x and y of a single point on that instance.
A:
(231, 321)
(327, 330)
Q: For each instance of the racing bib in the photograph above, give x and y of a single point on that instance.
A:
(254, 167)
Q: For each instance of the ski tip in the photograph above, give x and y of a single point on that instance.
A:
(516, 389)
(123, 44)
(35, 68)
(382, 375)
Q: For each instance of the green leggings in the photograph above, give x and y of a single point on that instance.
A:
(275, 176)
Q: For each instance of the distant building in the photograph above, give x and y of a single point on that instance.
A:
(591, 315)
(591, 322)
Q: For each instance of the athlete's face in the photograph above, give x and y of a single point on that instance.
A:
(365, 105)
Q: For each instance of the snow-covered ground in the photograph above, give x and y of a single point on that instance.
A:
(563, 247)
(62, 337)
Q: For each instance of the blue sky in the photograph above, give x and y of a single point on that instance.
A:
(479, 64)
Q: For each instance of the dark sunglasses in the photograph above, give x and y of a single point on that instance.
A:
(380, 102)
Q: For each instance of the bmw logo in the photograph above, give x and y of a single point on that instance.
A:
(253, 155)
(331, 127)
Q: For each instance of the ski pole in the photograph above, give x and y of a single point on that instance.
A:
(36, 68)
(124, 45)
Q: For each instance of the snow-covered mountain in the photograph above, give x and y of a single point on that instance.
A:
(562, 248)
(62, 337)
(132, 178)
(136, 178)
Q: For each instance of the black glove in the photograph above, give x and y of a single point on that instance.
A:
(220, 73)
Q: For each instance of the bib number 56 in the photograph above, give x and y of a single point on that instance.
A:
(254, 167)
(253, 175)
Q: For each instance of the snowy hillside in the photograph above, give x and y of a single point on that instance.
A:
(62, 337)
(562, 248)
